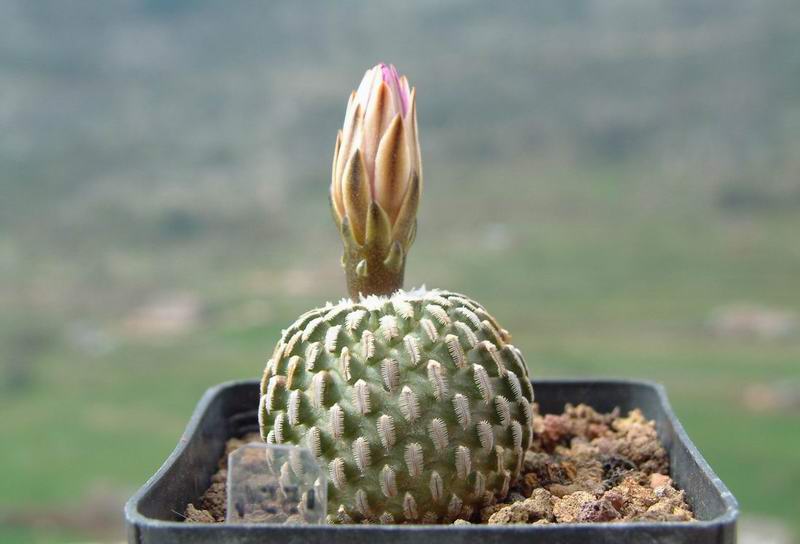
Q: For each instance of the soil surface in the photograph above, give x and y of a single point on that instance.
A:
(582, 467)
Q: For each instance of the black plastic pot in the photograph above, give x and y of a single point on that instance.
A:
(228, 410)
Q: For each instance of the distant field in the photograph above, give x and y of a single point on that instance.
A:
(608, 180)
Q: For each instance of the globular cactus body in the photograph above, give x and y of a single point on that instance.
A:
(415, 404)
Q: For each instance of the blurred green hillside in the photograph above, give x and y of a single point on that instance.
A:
(618, 182)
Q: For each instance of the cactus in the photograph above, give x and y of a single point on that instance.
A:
(416, 403)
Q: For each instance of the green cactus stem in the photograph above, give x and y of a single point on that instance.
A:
(417, 405)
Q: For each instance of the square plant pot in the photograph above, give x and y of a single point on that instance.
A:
(229, 410)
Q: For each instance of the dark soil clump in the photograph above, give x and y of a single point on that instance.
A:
(583, 467)
(211, 506)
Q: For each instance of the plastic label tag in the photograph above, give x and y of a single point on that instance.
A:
(275, 484)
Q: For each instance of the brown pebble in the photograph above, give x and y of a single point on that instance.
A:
(488, 511)
(528, 483)
(194, 515)
(616, 499)
(637, 497)
(568, 509)
(532, 509)
(660, 480)
(214, 500)
(597, 511)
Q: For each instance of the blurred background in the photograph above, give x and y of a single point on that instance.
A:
(617, 181)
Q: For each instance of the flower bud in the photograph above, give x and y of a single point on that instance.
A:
(377, 158)
(376, 181)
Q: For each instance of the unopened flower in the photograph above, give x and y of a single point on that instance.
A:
(377, 174)
(377, 150)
